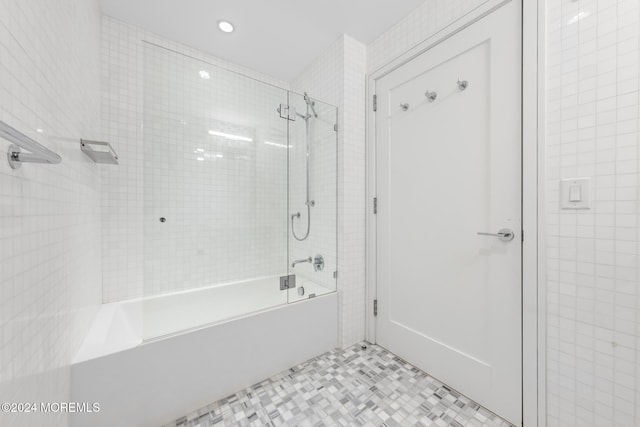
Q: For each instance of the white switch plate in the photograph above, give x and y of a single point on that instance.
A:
(584, 185)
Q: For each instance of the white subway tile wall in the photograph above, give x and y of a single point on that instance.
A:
(593, 351)
(123, 78)
(352, 200)
(338, 77)
(133, 266)
(209, 172)
(50, 218)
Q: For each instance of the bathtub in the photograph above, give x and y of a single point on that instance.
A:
(150, 361)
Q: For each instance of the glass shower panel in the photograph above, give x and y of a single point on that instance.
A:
(313, 142)
(215, 193)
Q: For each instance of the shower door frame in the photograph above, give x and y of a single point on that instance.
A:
(533, 273)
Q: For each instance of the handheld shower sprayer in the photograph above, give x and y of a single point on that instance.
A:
(308, 202)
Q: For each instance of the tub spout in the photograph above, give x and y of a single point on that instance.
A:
(301, 261)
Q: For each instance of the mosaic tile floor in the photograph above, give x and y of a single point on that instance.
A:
(352, 387)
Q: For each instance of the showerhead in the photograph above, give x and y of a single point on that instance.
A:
(311, 103)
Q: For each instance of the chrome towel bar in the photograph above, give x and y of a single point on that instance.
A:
(37, 153)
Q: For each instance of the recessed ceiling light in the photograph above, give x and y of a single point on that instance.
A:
(225, 26)
(204, 74)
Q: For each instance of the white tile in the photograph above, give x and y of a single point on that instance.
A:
(212, 235)
(605, 110)
(50, 255)
(338, 77)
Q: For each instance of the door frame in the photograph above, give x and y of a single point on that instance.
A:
(533, 266)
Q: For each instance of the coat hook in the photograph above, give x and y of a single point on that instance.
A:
(431, 96)
(404, 107)
(462, 85)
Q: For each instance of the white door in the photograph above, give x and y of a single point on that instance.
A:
(448, 165)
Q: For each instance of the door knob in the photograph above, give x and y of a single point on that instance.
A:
(504, 234)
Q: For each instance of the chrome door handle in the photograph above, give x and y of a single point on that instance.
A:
(504, 234)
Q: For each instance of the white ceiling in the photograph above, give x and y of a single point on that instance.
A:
(276, 37)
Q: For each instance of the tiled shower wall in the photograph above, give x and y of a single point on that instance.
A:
(593, 292)
(132, 241)
(338, 77)
(124, 226)
(49, 214)
(224, 200)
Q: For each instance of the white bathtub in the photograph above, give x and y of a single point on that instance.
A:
(142, 382)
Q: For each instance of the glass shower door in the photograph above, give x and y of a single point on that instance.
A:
(215, 194)
(313, 139)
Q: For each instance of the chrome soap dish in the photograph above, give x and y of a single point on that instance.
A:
(99, 152)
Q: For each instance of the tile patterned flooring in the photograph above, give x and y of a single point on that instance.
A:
(352, 387)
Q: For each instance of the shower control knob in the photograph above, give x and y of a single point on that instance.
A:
(318, 263)
(163, 219)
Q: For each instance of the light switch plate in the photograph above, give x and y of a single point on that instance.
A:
(572, 187)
